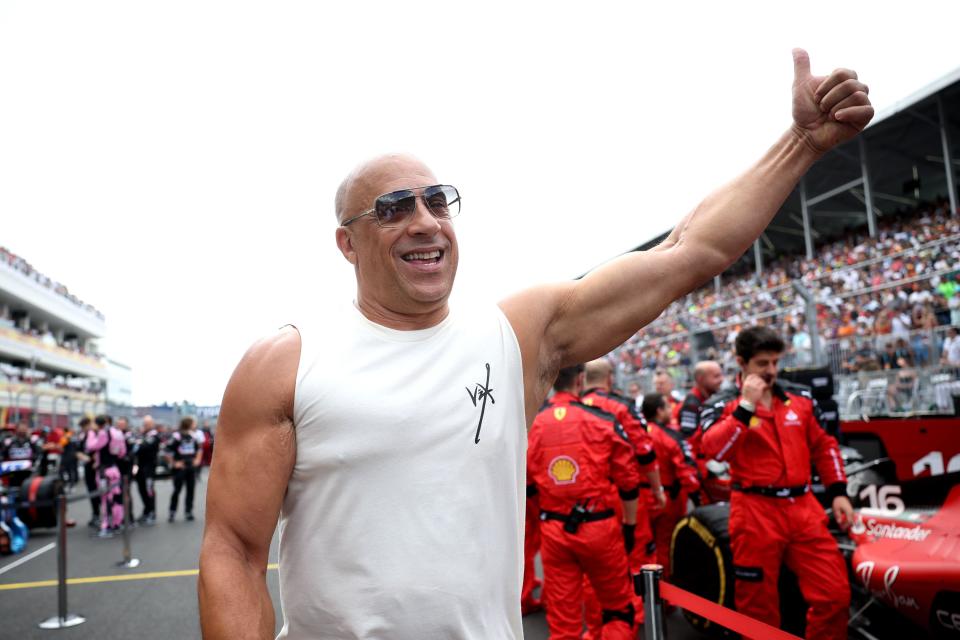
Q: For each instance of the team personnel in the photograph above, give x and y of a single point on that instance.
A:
(770, 436)
(108, 447)
(677, 474)
(707, 380)
(22, 449)
(146, 452)
(663, 384)
(86, 425)
(418, 496)
(184, 452)
(531, 547)
(598, 378)
(575, 452)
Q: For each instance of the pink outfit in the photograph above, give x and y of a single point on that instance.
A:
(115, 446)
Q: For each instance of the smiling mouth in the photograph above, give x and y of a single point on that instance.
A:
(423, 257)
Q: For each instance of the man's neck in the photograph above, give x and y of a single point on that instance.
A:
(379, 314)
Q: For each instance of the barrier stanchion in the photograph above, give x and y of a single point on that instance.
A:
(652, 603)
(63, 619)
(128, 561)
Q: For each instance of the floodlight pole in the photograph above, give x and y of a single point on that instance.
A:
(867, 189)
(805, 212)
(947, 156)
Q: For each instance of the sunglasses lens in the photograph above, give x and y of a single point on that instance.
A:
(393, 209)
(442, 200)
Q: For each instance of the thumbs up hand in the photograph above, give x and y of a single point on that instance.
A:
(827, 110)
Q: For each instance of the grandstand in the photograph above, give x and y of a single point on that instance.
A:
(859, 270)
(51, 368)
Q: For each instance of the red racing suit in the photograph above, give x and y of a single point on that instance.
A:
(531, 547)
(575, 454)
(635, 426)
(678, 475)
(774, 519)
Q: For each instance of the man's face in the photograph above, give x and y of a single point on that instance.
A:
(389, 275)
(147, 424)
(663, 384)
(711, 379)
(23, 430)
(763, 364)
(633, 390)
(122, 424)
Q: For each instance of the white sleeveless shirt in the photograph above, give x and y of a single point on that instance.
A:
(403, 517)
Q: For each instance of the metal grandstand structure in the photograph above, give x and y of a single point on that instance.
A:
(908, 156)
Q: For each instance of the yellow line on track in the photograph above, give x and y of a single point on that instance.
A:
(117, 578)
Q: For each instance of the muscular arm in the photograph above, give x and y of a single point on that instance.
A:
(572, 322)
(256, 449)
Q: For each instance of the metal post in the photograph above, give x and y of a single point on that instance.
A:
(805, 212)
(758, 257)
(652, 602)
(35, 403)
(128, 561)
(810, 305)
(947, 156)
(63, 619)
(867, 189)
(716, 284)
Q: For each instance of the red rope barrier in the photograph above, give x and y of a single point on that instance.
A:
(744, 625)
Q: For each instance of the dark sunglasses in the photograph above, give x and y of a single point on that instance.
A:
(397, 208)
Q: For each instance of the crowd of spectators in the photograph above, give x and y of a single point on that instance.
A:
(882, 302)
(14, 261)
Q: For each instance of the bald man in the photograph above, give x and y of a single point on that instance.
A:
(387, 435)
(707, 379)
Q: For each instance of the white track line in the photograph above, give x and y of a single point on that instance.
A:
(31, 556)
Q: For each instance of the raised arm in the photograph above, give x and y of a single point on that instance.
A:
(256, 449)
(572, 322)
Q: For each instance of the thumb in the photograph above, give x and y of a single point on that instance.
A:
(801, 65)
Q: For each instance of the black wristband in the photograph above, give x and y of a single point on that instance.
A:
(836, 490)
(647, 458)
(743, 415)
(632, 494)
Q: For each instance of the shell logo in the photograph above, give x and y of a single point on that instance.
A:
(588, 402)
(560, 413)
(754, 422)
(563, 470)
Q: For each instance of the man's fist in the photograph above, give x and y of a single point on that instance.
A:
(753, 388)
(828, 110)
(843, 512)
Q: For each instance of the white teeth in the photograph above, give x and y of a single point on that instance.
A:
(431, 255)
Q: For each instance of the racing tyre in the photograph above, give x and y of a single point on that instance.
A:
(700, 561)
(44, 490)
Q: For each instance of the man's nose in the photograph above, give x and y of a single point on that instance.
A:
(423, 221)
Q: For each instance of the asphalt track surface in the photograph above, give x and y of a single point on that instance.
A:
(154, 601)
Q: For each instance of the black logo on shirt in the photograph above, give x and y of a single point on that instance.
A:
(480, 394)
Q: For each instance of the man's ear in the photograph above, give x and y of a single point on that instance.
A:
(741, 362)
(345, 244)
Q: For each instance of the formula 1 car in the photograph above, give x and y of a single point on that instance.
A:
(902, 552)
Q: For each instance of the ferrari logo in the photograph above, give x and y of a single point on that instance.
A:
(560, 413)
(754, 422)
(563, 470)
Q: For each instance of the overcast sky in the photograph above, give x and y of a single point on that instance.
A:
(174, 163)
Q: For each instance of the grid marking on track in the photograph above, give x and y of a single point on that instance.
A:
(116, 578)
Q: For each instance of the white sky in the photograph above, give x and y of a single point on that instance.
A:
(174, 163)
